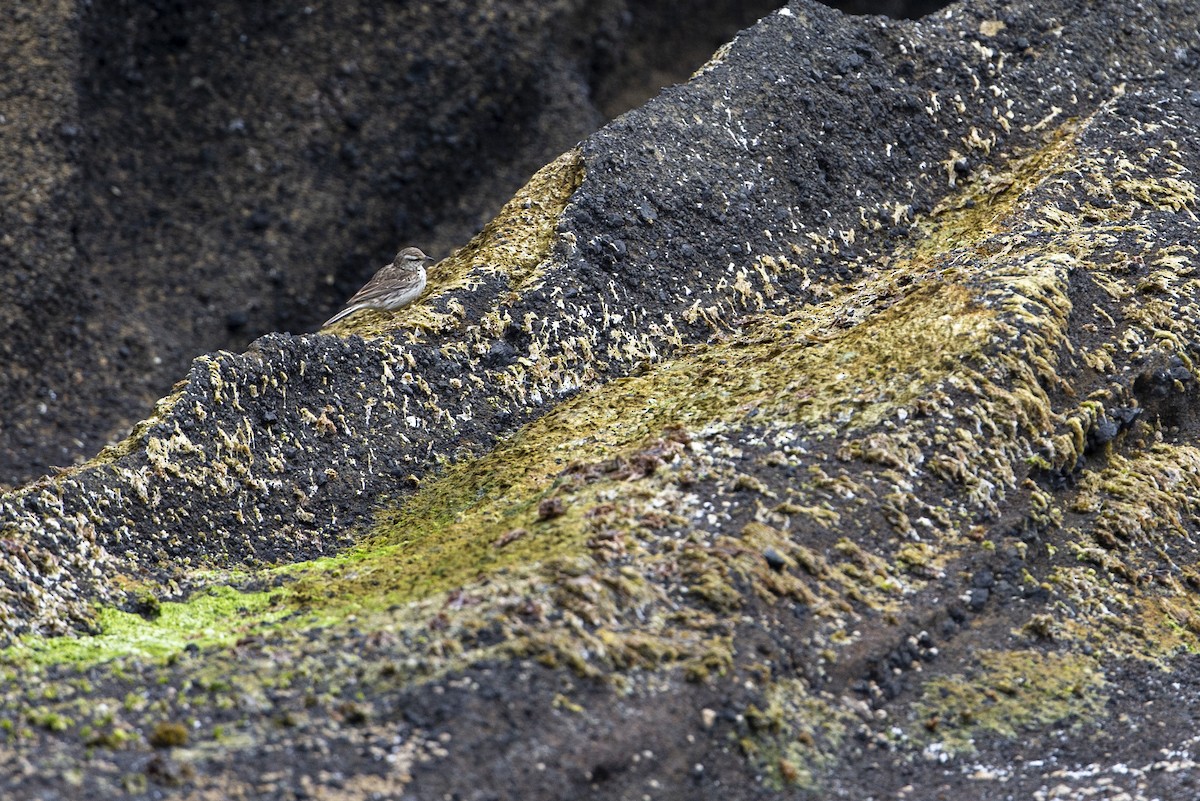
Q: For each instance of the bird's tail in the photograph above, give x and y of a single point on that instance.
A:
(346, 312)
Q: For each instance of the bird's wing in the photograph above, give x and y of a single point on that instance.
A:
(380, 284)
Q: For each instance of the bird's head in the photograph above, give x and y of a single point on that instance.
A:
(411, 258)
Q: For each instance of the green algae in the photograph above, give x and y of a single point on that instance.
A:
(217, 616)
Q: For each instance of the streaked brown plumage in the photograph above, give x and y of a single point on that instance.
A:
(393, 287)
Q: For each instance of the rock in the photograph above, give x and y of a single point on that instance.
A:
(165, 163)
(827, 343)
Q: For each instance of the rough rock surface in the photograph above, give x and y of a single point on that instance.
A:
(823, 426)
(180, 177)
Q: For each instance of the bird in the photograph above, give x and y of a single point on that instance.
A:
(393, 287)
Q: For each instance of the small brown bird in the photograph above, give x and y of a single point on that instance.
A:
(393, 287)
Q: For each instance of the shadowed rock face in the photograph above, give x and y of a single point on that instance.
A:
(823, 426)
(184, 177)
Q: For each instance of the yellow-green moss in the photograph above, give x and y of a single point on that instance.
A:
(796, 735)
(1126, 592)
(168, 734)
(1006, 693)
(853, 362)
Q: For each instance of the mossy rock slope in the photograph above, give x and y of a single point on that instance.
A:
(823, 428)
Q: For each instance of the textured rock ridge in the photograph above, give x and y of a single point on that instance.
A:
(183, 178)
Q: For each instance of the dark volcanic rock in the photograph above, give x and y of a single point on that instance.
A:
(183, 177)
(824, 426)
